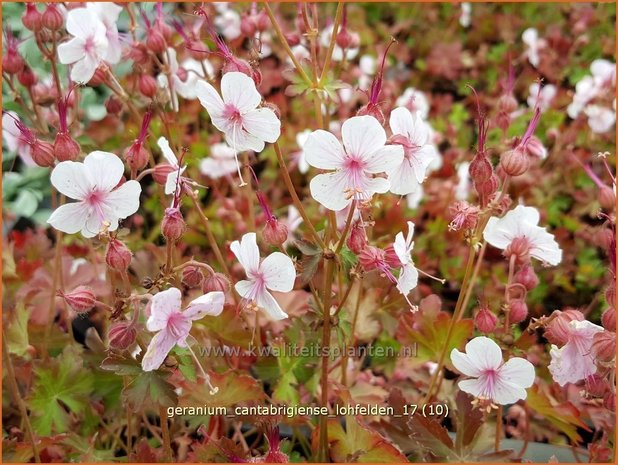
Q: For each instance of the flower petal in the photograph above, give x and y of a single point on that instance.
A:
(69, 218)
(162, 305)
(72, 179)
(463, 364)
(83, 70)
(208, 304)
(384, 159)
(329, 190)
(105, 169)
(71, 51)
(271, 306)
(323, 150)
(167, 151)
(124, 201)
(362, 135)
(507, 393)
(245, 288)
(239, 90)
(408, 279)
(484, 353)
(159, 347)
(278, 272)
(263, 124)
(81, 23)
(210, 99)
(475, 387)
(517, 371)
(247, 253)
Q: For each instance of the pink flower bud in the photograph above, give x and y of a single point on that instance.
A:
(117, 255)
(520, 247)
(604, 346)
(293, 38)
(147, 85)
(26, 77)
(12, 61)
(155, 41)
(371, 109)
(346, 39)
(138, 53)
(480, 168)
(526, 277)
(371, 257)
(113, 105)
(535, 148)
(507, 103)
(558, 330)
(514, 162)
(173, 225)
(262, 21)
(197, 49)
(485, 320)
(122, 335)
(32, 18)
(43, 153)
(608, 319)
(596, 385)
(81, 299)
(486, 189)
(518, 311)
(357, 240)
(161, 171)
(192, 276)
(607, 198)
(99, 77)
(65, 147)
(274, 232)
(391, 258)
(52, 18)
(503, 120)
(217, 282)
(137, 156)
(247, 26)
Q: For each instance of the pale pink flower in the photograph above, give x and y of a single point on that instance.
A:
(521, 224)
(107, 13)
(100, 204)
(172, 325)
(14, 139)
(408, 274)
(171, 183)
(276, 273)
(415, 101)
(574, 362)
(88, 47)
(544, 97)
(228, 22)
(600, 119)
(355, 162)
(413, 135)
(221, 162)
(502, 383)
(534, 45)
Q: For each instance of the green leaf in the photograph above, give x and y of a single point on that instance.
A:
(61, 387)
(233, 388)
(17, 332)
(150, 389)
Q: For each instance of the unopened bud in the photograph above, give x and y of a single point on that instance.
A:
(485, 320)
(608, 319)
(99, 77)
(65, 147)
(26, 77)
(391, 258)
(604, 346)
(371, 109)
(596, 385)
(480, 168)
(247, 26)
(274, 232)
(503, 120)
(117, 255)
(262, 21)
(113, 105)
(52, 18)
(155, 41)
(518, 311)
(558, 330)
(81, 299)
(610, 295)
(535, 148)
(346, 39)
(138, 53)
(507, 103)
(514, 162)
(173, 225)
(12, 62)
(607, 198)
(526, 277)
(609, 402)
(43, 153)
(161, 172)
(122, 335)
(217, 282)
(137, 156)
(357, 240)
(371, 257)
(147, 85)
(32, 18)
(192, 276)
(520, 247)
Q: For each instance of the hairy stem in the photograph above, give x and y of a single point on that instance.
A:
(165, 431)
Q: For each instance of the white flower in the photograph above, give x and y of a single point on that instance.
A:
(502, 383)
(367, 65)
(463, 186)
(171, 184)
(172, 325)
(228, 23)
(600, 119)
(107, 13)
(413, 200)
(408, 275)
(574, 361)
(246, 127)
(465, 19)
(293, 221)
(414, 100)
(88, 47)
(222, 161)
(531, 38)
(325, 36)
(93, 183)
(601, 82)
(276, 273)
(15, 142)
(362, 155)
(604, 72)
(301, 158)
(522, 224)
(413, 135)
(545, 97)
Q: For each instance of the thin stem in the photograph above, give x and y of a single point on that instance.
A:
(345, 297)
(249, 192)
(165, 431)
(129, 415)
(506, 291)
(475, 274)
(14, 390)
(498, 428)
(326, 304)
(346, 229)
(55, 280)
(331, 46)
(297, 203)
(195, 263)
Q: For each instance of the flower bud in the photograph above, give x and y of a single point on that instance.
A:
(12, 61)
(161, 171)
(26, 77)
(391, 258)
(526, 277)
(197, 49)
(608, 319)
(81, 299)
(192, 276)
(32, 18)
(262, 22)
(503, 120)
(113, 105)
(99, 77)
(138, 53)
(155, 41)
(217, 282)
(52, 18)
(117, 255)
(236, 64)
(514, 162)
(147, 85)
(346, 39)
(520, 247)
(371, 109)
(357, 240)
(596, 385)
(247, 26)
(173, 225)
(137, 156)
(293, 38)
(518, 311)
(558, 330)
(122, 335)
(65, 147)
(535, 148)
(604, 346)
(371, 257)
(507, 103)
(43, 153)
(480, 168)
(274, 232)
(607, 198)
(487, 188)
(485, 320)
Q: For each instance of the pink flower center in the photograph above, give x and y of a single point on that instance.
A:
(491, 378)
(177, 325)
(231, 113)
(89, 46)
(356, 177)
(95, 200)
